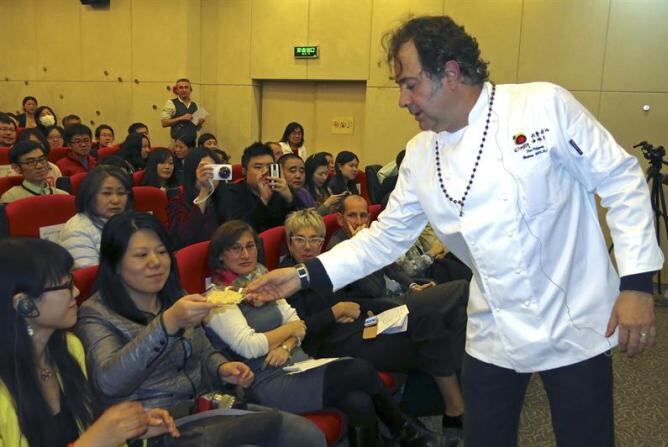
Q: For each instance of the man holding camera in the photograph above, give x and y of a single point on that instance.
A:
(263, 198)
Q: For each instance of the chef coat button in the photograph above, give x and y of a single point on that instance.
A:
(498, 309)
(518, 271)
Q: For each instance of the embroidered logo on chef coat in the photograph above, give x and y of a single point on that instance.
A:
(532, 145)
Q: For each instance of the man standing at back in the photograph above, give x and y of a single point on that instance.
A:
(507, 175)
(178, 112)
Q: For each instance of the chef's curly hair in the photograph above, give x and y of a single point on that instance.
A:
(438, 39)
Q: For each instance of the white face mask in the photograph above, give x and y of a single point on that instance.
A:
(47, 120)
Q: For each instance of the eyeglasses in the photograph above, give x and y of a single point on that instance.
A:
(68, 285)
(301, 241)
(237, 249)
(34, 162)
(78, 141)
(7, 129)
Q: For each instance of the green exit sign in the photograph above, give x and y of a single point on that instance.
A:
(306, 52)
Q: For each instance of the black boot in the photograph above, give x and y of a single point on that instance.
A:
(414, 434)
(363, 436)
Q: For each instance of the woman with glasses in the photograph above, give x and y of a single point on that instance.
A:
(55, 136)
(105, 192)
(268, 338)
(45, 399)
(28, 159)
(145, 341)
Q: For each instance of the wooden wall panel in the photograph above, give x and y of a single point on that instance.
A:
(58, 33)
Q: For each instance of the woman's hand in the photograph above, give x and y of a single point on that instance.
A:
(237, 373)
(159, 423)
(298, 328)
(277, 357)
(116, 425)
(188, 311)
(204, 175)
(334, 199)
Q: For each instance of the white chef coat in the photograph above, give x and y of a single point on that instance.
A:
(285, 147)
(543, 285)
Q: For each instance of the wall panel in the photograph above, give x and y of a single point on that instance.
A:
(18, 40)
(563, 41)
(58, 33)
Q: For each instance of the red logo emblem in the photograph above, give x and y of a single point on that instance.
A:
(520, 138)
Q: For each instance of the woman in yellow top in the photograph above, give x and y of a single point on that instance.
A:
(45, 399)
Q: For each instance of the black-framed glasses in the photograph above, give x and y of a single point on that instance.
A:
(81, 141)
(301, 241)
(68, 285)
(34, 162)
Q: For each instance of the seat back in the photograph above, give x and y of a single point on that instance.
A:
(25, 217)
(75, 182)
(192, 262)
(107, 151)
(331, 225)
(4, 155)
(374, 211)
(363, 189)
(7, 183)
(274, 244)
(237, 171)
(84, 279)
(57, 153)
(150, 199)
(137, 177)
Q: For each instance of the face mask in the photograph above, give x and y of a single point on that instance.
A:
(47, 120)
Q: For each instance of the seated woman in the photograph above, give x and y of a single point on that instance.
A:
(144, 340)
(105, 192)
(346, 166)
(193, 216)
(55, 136)
(135, 150)
(267, 337)
(183, 144)
(104, 136)
(432, 344)
(45, 399)
(26, 119)
(292, 141)
(209, 141)
(45, 117)
(159, 170)
(316, 173)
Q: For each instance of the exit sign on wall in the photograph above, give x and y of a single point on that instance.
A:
(306, 52)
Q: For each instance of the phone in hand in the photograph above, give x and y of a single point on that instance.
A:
(274, 170)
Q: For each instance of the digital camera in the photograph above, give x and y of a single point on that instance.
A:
(222, 172)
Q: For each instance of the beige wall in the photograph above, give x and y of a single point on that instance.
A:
(115, 65)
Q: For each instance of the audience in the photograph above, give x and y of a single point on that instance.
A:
(7, 130)
(433, 343)
(105, 192)
(292, 169)
(193, 213)
(45, 398)
(159, 170)
(345, 178)
(79, 139)
(71, 120)
(316, 168)
(183, 144)
(45, 117)
(104, 136)
(259, 199)
(135, 150)
(138, 128)
(28, 158)
(177, 114)
(292, 141)
(267, 338)
(144, 340)
(55, 136)
(26, 120)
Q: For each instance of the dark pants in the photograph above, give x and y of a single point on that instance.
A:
(580, 397)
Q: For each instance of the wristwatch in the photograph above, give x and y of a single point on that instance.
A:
(302, 272)
(286, 349)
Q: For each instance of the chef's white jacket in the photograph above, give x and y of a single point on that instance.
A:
(543, 285)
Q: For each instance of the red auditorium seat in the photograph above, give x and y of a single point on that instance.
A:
(237, 172)
(331, 225)
(364, 190)
(150, 199)
(57, 153)
(374, 211)
(7, 183)
(273, 241)
(25, 217)
(330, 422)
(4, 155)
(137, 177)
(75, 182)
(193, 266)
(107, 151)
(84, 279)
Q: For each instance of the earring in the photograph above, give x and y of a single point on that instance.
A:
(30, 330)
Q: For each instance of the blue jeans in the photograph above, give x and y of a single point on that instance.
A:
(580, 397)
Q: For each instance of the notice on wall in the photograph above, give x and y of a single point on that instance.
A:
(343, 125)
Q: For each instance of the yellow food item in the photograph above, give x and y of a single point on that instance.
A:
(224, 297)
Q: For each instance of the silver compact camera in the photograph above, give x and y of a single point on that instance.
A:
(222, 172)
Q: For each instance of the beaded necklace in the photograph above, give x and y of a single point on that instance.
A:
(461, 201)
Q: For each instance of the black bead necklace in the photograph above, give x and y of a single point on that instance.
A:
(461, 201)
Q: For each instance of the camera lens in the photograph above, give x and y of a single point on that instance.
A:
(225, 172)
